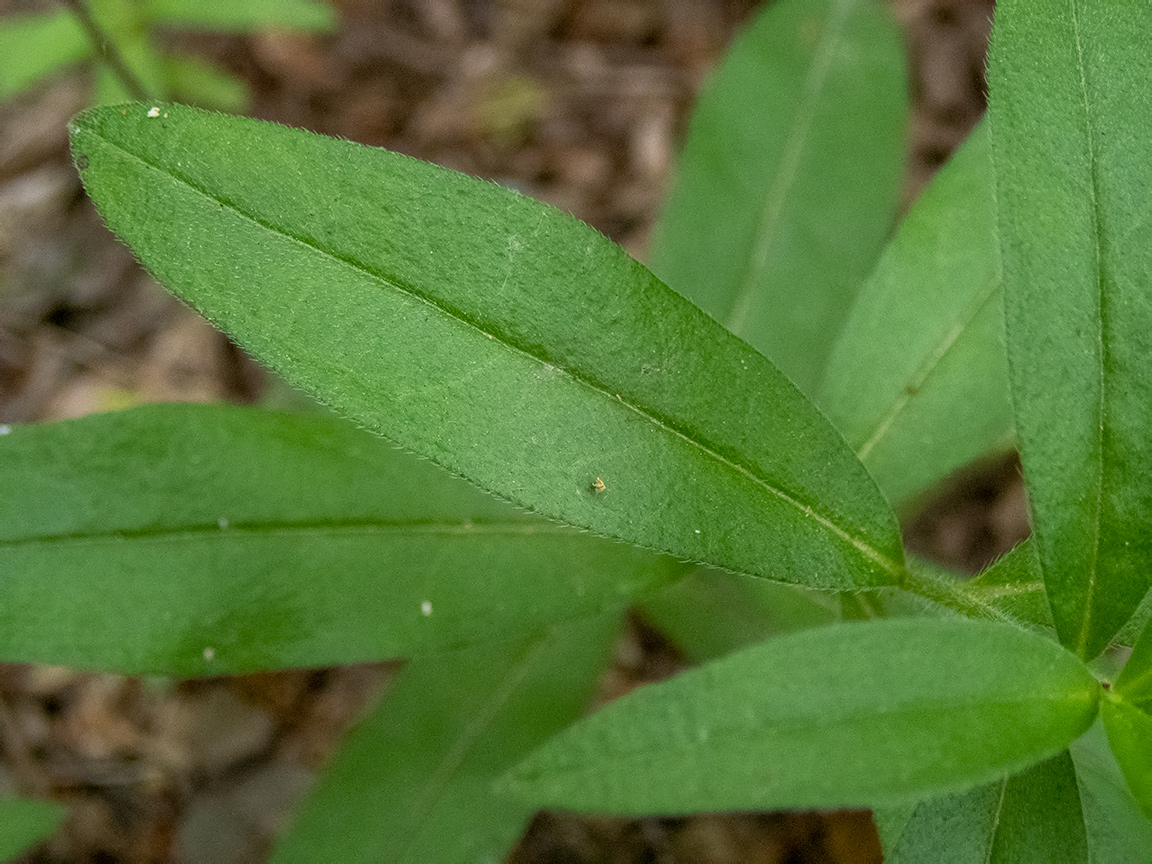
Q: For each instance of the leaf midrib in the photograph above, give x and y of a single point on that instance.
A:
(399, 285)
(301, 528)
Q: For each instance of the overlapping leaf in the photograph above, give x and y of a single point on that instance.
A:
(848, 715)
(413, 783)
(493, 334)
(24, 822)
(918, 380)
(1070, 125)
(789, 179)
(189, 539)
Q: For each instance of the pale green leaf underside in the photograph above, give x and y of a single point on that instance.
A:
(918, 380)
(1118, 832)
(1034, 816)
(24, 822)
(1070, 127)
(412, 784)
(841, 716)
(789, 179)
(189, 540)
(497, 336)
(1130, 735)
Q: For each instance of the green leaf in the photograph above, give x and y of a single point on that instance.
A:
(242, 16)
(1070, 125)
(788, 184)
(842, 716)
(1130, 735)
(1118, 833)
(413, 783)
(194, 80)
(1034, 816)
(918, 380)
(192, 540)
(493, 334)
(1135, 680)
(710, 613)
(1014, 585)
(34, 46)
(25, 822)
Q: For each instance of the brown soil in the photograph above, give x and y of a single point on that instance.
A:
(578, 102)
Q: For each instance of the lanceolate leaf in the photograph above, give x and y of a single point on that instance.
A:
(1135, 680)
(413, 784)
(24, 822)
(499, 337)
(1034, 816)
(1070, 126)
(918, 380)
(840, 716)
(190, 540)
(788, 183)
(1130, 734)
(1118, 832)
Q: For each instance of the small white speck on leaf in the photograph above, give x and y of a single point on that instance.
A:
(222, 522)
(697, 530)
(209, 654)
(4, 430)
(165, 115)
(153, 111)
(426, 608)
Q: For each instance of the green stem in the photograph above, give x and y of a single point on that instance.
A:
(106, 50)
(950, 593)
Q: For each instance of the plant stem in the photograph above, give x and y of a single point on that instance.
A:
(106, 50)
(950, 593)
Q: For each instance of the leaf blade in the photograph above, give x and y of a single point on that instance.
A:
(788, 183)
(413, 782)
(849, 715)
(1076, 302)
(286, 542)
(468, 345)
(25, 821)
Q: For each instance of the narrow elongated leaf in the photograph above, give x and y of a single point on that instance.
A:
(413, 783)
(1135, 680)
(1118, 832)
(1130, 735)
(34, 46)
(840, 716)
(918, 380)
(24, 822)
(788, 184)
(710, 613)
(493, 334)
(242, 16)
(1070, 124)
(1034, 816)
(187, 540)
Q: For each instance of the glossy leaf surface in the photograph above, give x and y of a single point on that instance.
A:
(1070, 125)
(413, 782)
(841, 716)
(495, 335)
(24, 822)
(34, 46)
(788, 183)
(918, 380)
(1034, 816)
(190, 540)
(1130, 735)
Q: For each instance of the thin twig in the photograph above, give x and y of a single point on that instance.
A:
(107, 51)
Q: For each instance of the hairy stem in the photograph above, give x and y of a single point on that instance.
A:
(106, 50)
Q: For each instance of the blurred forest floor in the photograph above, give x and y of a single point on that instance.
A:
(581, 103)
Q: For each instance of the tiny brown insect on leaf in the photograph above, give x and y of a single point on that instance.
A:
(598, 486)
